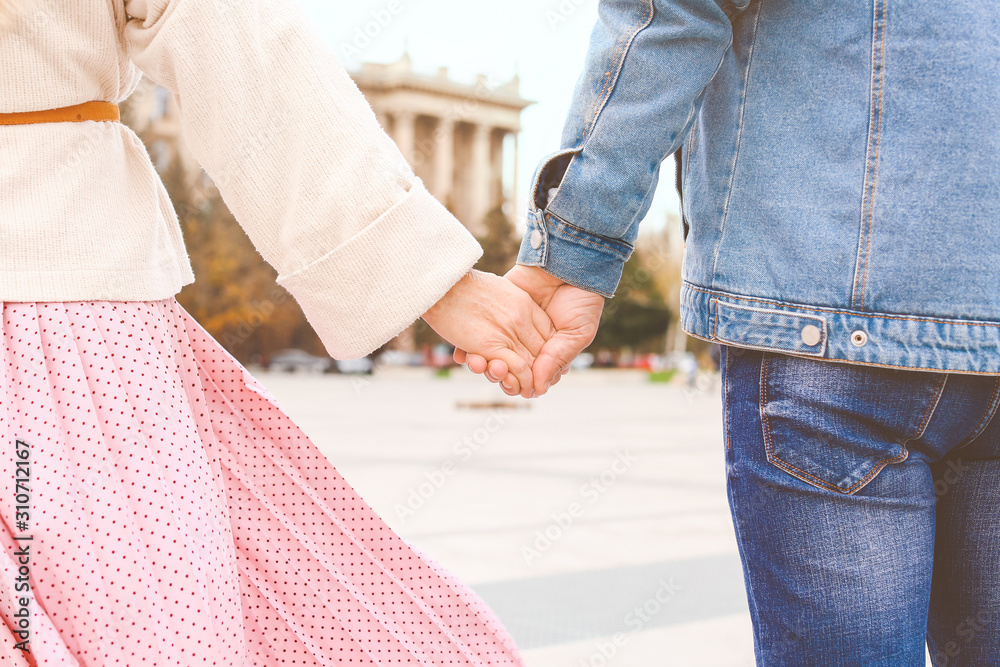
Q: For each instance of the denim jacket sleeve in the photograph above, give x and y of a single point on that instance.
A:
(648, 64)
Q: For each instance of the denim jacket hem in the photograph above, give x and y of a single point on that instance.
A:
(875, 339)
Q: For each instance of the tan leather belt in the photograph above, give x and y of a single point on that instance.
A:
(99, 111)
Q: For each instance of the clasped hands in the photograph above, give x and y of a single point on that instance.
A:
(521, 331)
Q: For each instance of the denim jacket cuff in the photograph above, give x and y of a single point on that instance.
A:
(573, 255)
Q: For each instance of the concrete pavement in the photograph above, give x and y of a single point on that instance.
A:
(593, 520)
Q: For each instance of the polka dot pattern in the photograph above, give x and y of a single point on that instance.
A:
(181, 518)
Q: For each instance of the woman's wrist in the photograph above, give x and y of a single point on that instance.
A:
(447, 302)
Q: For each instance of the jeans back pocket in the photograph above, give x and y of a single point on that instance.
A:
(837, 425)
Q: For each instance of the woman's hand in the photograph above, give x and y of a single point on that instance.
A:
(495, 320)
(574, 311)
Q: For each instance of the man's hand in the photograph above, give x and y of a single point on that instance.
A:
(574, 312)
(497, 321)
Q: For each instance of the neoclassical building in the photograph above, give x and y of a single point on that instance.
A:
(460, 138)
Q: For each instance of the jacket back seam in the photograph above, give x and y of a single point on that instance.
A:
(876, 99)
(739, 139)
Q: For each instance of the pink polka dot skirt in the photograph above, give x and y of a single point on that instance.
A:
(179, 517)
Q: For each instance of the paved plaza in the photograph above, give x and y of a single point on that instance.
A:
(593, 520)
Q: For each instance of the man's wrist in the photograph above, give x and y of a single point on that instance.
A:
(571, 255)
(539, 275)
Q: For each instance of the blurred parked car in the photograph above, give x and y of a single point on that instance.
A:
(440, 356)
(582, 362)
(298, 360)
(401, 358)
(363, 366)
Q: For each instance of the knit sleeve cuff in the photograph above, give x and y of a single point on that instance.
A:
(374, 285)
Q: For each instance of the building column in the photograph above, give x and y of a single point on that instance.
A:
(383, 119)
(444, 159)
(517, 174)
(405, 134)
(497, 139)
(481, 178)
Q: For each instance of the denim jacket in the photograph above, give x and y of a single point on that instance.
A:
(841, 172)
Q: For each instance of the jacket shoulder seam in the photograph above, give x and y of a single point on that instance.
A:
(614, 72)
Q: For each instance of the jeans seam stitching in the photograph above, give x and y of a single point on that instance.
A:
(725, 400)
(751, 598)
(984, 421)
(929, 413)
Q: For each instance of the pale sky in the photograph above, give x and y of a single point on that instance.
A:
(544, 41)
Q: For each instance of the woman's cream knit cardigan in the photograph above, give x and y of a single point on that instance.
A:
(272, 117)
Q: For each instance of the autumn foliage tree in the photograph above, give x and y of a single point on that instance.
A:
(500, 243)
(235, 296)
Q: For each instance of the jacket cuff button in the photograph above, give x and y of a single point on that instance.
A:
(536, 239)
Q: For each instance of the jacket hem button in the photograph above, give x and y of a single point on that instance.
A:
(811, 335)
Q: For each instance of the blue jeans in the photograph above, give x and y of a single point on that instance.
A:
(866, 503)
